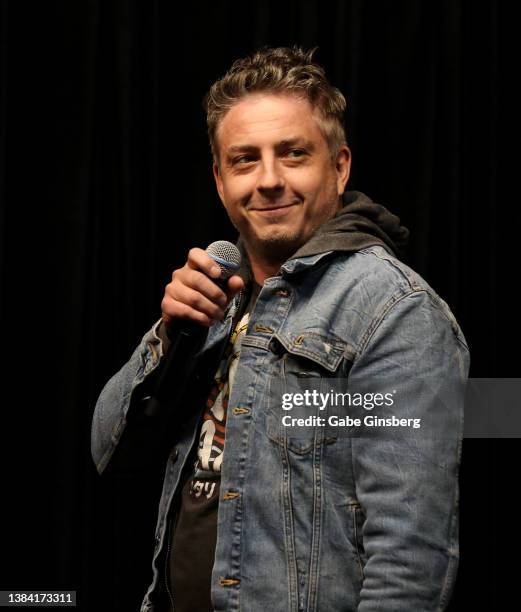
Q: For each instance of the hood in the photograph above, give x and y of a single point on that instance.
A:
(360, 223)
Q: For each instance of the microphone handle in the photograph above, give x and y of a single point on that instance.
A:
(187, 340)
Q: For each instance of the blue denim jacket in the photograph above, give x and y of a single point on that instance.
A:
(324, 523)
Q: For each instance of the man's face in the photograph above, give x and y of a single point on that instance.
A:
(276, 177)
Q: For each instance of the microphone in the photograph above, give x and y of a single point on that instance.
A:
(189, 337)
(227, 256)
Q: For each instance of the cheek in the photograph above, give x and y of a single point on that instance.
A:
(313, 193)
(322, 195)
(237, 188)
(310, 180)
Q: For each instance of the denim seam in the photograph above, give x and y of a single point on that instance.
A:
(395, 264)
(439, 304)
(247, 465)
(354, 508)
(355, 503)
(375, 323)
(452, 565)
(317, 527)
(292, 570)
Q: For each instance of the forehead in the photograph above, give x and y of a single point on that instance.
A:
(263, 118)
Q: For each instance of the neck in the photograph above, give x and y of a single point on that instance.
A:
(261, 270)
(265, 263)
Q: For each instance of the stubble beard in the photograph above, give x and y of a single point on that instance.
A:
(275, 248)
(278, 246)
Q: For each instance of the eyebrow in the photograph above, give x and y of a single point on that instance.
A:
(282, 144)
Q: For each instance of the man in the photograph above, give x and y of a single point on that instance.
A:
(255, 515)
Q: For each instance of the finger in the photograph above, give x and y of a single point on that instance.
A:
(200, 260)
(177, 310)
(234, 285)
(198, 281)
(198, 301)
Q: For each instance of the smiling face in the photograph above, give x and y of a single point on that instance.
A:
(275, 176)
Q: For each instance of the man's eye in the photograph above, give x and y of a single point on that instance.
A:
(296, 153)
(244, 159)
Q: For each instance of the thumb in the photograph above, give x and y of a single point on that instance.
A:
(235, 284)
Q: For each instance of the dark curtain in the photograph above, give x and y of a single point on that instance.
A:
(105, 183)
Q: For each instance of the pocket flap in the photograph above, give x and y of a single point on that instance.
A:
(326, 351)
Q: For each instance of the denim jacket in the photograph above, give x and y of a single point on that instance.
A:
(328, 522)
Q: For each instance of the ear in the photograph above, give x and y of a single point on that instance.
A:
(218, 180)
(343, 168)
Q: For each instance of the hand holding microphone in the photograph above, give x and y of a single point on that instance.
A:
(203, 287)
(194, 300)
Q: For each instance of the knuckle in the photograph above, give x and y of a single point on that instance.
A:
(195, 300)
(215, 311)
(194, 278)
(167, 302)
(164, 304)
(184, 310)
(192, 300)
(171, 291)
(193, 254)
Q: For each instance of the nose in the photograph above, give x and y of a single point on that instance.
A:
(271, 179)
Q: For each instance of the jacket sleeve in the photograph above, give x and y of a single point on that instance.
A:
(407, 479)
(136, 443)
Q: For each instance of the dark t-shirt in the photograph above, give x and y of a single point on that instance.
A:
(192, 547)
(192, 542)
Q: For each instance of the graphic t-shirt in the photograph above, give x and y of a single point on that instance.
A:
(192, 544)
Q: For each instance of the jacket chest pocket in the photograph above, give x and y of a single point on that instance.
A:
(304, 383)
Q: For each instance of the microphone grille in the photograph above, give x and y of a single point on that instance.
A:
(226, 255)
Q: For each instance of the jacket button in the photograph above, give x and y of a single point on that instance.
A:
(228, 581)
(173, 455)
(239, 410)
(230, 495)
(262, 328)
(282, 293)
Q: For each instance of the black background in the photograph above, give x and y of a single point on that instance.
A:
(105, 183)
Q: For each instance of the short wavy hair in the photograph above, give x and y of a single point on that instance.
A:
(278, 70)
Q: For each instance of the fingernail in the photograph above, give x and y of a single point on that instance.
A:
(216, 270)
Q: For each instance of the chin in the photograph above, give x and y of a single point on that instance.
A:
(276, 246)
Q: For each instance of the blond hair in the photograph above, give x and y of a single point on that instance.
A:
(278, 70)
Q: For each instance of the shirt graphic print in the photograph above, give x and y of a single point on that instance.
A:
(211, 438)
